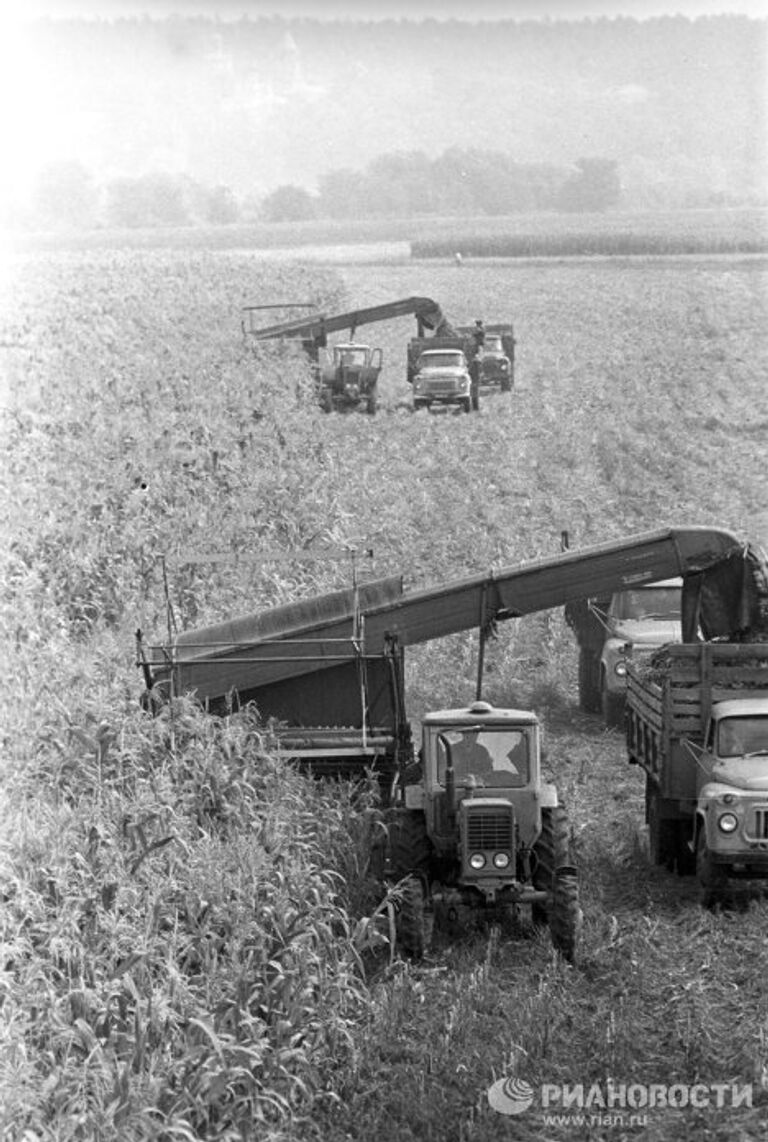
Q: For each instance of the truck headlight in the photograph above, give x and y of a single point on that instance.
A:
(501, 860)
(464, 383)
(727, 822)
(477, 861)
(620, 668)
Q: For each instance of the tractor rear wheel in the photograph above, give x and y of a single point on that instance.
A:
(414, 919)
(409, 847)
(553, 873)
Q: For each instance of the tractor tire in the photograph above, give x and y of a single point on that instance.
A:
(506, 384)
(712, 878)
(552, 854)
(414, 919)
(613, 706)
(662, 832)
(589, 680)
(565, 916)
(371, 404)
(409, 847)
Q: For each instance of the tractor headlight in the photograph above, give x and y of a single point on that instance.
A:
(501, 860)
(477, 861)
(727, 822)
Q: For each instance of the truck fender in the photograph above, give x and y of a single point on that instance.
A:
(548, 796)
(699, 823)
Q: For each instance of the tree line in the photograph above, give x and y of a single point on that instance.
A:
(396, 185)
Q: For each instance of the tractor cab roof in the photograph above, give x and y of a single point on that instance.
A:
(481, 714)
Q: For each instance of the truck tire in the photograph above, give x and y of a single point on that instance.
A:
(589, 680)
(466, 405)
(475, 396)
(662, 832)
(414, 919)
(612, 706)
(712, 878)
(554, 873)
(409, 847)
(686, 859)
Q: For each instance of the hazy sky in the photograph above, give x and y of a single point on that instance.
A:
(382, 9)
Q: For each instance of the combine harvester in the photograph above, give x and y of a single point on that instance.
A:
(471, 825)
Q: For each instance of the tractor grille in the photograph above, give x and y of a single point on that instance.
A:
(760, 824)
(490, 829)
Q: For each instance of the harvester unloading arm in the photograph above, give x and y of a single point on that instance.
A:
(725, 590)
(314, 327)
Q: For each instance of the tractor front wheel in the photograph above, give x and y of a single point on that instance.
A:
(414, 918)
(553, 873)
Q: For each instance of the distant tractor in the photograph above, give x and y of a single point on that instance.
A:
(348, 375)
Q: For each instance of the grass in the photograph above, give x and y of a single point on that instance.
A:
(185, 946)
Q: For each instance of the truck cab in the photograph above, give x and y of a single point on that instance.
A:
(638, 620)
(731, 828)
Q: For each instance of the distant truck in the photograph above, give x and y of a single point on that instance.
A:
(442, 377)
(347, 376)
(496, 360)
(697, 723)
(492, 366)
(615, 629)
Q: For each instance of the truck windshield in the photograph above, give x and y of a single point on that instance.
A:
(647, 603)
(441, 361)
(493, 344)
(739, 736)
(496, 757)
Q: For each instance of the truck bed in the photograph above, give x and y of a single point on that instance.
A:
(669, 700)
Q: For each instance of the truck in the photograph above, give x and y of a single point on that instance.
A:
(697, 723)
(442, 377)
(470, 825)
(615, 628)
(496, 361)
(489, 367)
(346, 373)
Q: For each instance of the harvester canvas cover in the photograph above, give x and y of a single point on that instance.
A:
(312, 637)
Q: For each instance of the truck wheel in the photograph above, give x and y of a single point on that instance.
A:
(686, 860)
(662, 832)
(712, 878)
(589, 681)
(553, 873)
(475, 396)
(467, 405)
(613, 707)
(414, 919)
(409, 847)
